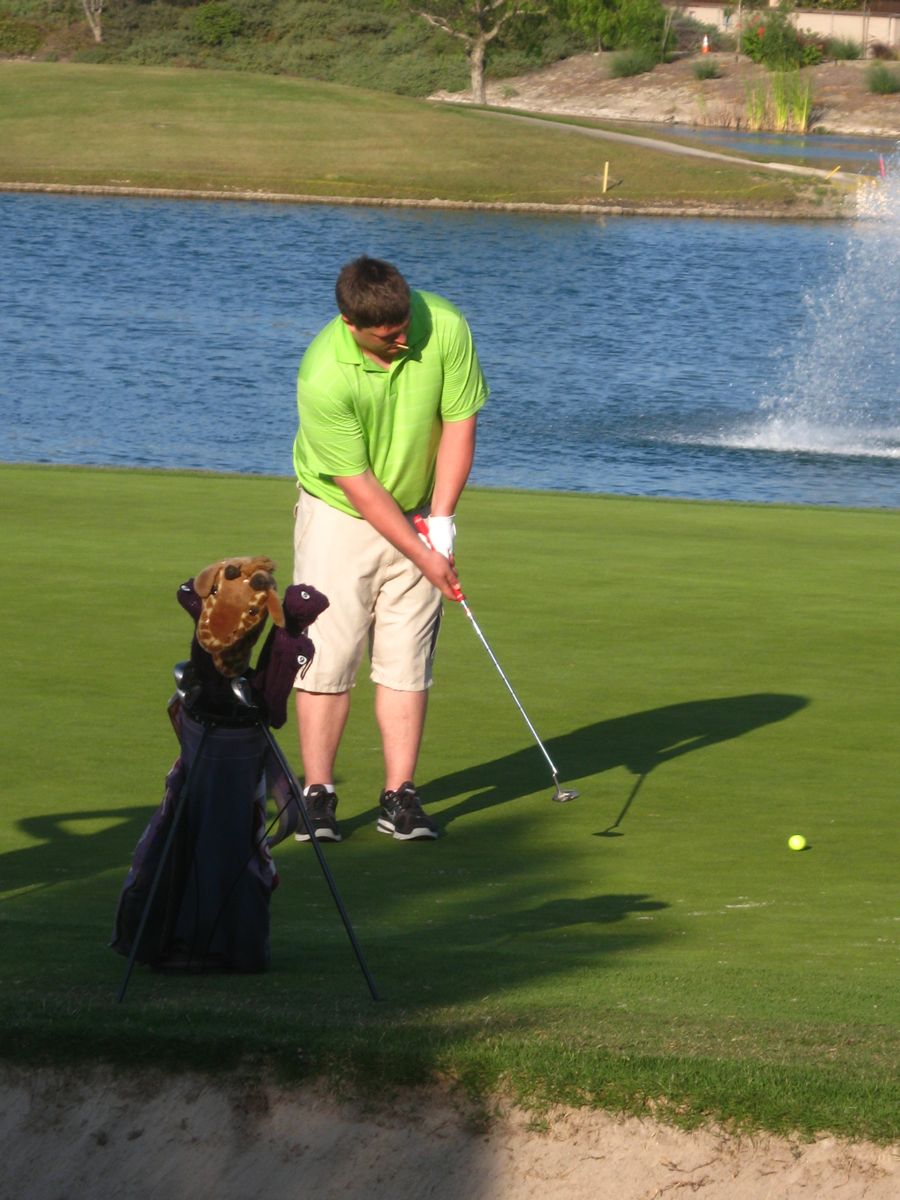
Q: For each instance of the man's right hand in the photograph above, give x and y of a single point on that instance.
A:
(378, 507)
(441, 572)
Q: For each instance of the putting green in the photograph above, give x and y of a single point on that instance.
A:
(713, 678)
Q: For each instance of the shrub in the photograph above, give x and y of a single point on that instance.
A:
(217, 23)
(772, 39)
(155, 49)
(19, 37)
(843, 49)
(30, 10)
(704, 69)
(641, 25)
(633, 62)
(93, 54)
(881, 51)
(881, 80)
(686, 33)
(533, 42)
(623, 24)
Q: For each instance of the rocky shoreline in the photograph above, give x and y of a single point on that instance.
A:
(798, 212)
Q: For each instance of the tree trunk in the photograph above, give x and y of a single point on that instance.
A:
(476, 69)
(93, 10)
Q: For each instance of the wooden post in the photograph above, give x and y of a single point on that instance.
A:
(605, 177)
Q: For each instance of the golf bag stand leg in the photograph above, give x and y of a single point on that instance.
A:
(298, 799)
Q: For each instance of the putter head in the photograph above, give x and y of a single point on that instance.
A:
(563, 795)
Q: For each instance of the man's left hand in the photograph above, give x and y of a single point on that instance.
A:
(442, 535)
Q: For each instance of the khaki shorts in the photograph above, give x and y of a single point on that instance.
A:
(377, 597)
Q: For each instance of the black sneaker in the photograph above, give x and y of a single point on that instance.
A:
(320, 805)
(402, 816)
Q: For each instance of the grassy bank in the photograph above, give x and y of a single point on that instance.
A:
(713, 678)
(221, 131)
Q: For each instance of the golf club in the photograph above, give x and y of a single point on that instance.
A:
(187, 687)
(561, 795)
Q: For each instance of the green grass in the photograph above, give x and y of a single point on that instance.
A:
(162, 127)
(712, 677)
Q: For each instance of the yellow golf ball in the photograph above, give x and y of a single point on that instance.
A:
(797, 842)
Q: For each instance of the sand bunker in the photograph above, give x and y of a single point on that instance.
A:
(64, 1137)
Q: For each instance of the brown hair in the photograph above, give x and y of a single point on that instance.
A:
(370, 293)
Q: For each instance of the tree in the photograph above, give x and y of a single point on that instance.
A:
(93, 10)
(615, 24)
(476, 23)
(590, 17)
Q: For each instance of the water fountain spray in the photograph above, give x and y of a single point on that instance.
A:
(832, 399)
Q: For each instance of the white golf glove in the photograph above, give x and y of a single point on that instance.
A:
(442, 534)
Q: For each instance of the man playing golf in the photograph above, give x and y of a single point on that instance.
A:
(388, 395)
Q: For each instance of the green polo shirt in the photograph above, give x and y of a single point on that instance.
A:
(356, 415)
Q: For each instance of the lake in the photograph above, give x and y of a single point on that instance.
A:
(709, 359)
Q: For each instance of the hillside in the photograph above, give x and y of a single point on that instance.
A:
(369, 44)
(582, 86)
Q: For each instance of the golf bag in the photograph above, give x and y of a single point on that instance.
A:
(197, 893)
(210, 906)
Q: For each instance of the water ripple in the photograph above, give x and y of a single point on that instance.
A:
(712, 359)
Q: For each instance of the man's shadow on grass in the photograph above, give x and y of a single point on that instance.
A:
(640, 742)
(609, 909)
(62, 853)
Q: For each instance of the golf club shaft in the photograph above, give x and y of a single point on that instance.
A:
(422, 530)
(509, 686)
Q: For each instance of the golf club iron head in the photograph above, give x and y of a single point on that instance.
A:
(186, 686)
(240, 689)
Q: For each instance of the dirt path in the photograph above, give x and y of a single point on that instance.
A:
(158, 1138)
(677, 148)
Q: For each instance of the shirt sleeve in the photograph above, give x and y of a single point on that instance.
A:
(332, 437)
(465, 390)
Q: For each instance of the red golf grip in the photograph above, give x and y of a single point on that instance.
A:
(422, 529)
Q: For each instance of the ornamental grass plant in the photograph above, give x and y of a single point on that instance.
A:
(783, 104)
(882, 80)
